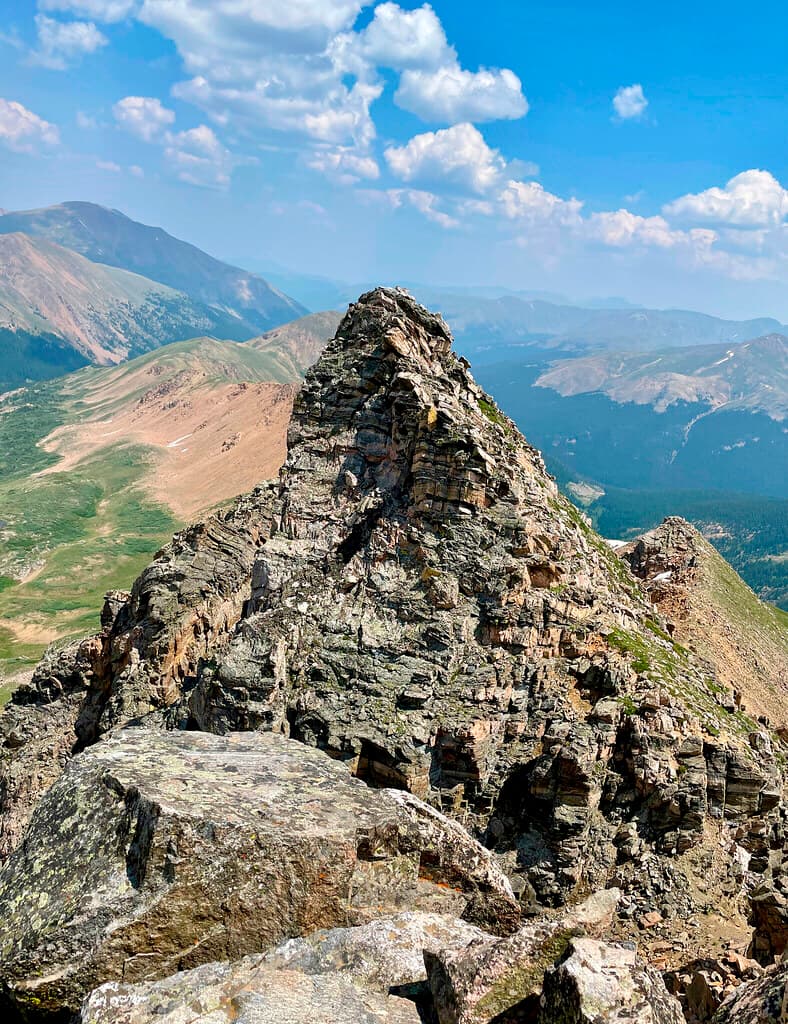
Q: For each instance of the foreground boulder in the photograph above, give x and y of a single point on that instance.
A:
(373, 967)
(490, 978)
(247, 992)
(158, 851)
(606, 984)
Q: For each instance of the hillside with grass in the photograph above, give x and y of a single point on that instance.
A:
(98, 469)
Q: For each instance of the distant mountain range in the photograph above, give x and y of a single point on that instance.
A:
(80, 283)
(751, 376)
(700, 432)
(488, 321)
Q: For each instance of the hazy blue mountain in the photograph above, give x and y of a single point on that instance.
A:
(110, 237)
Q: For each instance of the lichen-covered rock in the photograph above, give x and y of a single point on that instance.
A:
(490, 977)
(605, 984)
(764, 1001)
(247, 992)
(156, 851)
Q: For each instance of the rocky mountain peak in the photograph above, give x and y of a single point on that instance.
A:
(415, 599)
(409, 422)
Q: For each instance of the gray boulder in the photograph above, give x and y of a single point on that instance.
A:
(159, 851)
(492, 977)
(247, 992)
(606, 984)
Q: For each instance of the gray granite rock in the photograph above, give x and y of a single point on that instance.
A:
(598, 983)
(156, 851)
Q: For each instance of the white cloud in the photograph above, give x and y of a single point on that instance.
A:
(622, 228)
(630, 101)
(101, 10)
(229, 38)
(299, 67)
(137, 171)
(425, 202)
(452, 94)
(198, 158)
(344, 166)
(530, 201)
(143, 116)
(63, 42)
(457, 155)
(109, 165)
(396, 39)
(22, 130)
(753, 199)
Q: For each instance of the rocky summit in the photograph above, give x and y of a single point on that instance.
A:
(479, 716)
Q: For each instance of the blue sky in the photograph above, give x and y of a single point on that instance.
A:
(587, 149)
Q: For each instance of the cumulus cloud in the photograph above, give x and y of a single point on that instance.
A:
(197, 157)
(101, 10)
(530, 201)
(630, 102)
(300, 67)
(109, 165)
(143, 116)
(457, 155)
(751, 200)
(61, 43)
(344, 166)
(23, 131)
(452, 94)
(622, 228)
(396, 39)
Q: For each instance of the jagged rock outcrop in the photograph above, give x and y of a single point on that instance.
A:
(416, 599)
(759, 1002)
(598, 983)
(501, 979)
(712, 610)
(157, 851)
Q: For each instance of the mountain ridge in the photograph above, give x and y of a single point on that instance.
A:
(109, 236)
(413, 598)
(751, 376)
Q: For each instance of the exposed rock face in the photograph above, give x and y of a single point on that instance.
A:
(760, 1002)
(491, 978)
(602, 983)
(415, 599)
(156, 851)
(247, 992)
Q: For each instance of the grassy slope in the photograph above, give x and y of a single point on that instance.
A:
(66, 538)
